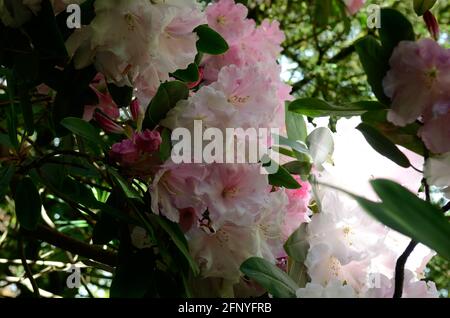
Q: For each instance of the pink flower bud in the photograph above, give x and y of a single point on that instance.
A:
(432, 24)
(136, 110)
(125, 152)
(148, 141)
(107, 124)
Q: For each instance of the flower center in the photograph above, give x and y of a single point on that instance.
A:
(221, 20)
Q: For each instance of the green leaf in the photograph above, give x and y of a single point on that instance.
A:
(210, 41)
(6, 174)
(282, 178)
(404, 212)
(296, 126)
(11, 123)
(28, 204)
(83, 129)
(127, 189)
(269, 276)
(167, 96)
(297, 245)
(395, 27)
(383, 145)
(298, 146)
(375, 61)
(121, 95)
(301, 168)
(189, 75)
(165, 149)
(421, 6)
(314, 107)
(178, 238)
(404, 136)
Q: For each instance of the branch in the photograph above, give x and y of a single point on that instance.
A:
(400, 269)
(72, 245)
(401, 261)
(27, 269)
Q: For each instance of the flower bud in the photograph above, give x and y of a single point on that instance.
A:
(107, 124)
(148, 141)
(432, 24)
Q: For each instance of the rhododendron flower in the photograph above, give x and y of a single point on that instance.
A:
(230, 20)
(437, 171)
(435, 132)
(333, 289)
(138, 43)
(221, 253)
(354, 6)
(297, 211)
(175, 188)
(235, 100)
(418, 86)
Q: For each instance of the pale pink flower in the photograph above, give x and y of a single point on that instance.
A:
(436, 130)
(175, 188)
(418, 78)
(236, 193)
(297, 211)
(230, 20)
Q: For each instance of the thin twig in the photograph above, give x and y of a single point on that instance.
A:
(28, 272)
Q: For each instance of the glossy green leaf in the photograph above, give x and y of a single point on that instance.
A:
(297, 245)
(167, 96)
(178, 238)
(83, 129)
(314, 107)
(395, 27)
(404, 212)
(383, 145)
(282, 178)
(210, 41)
(127, 189)
(189, 75)
(295, 126)
(375, 61)
(269, 276)
(28, 204)
(421, 6)
(404, 136)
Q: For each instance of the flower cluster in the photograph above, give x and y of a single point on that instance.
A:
(138, 43)
(418, 83)
(229, 212)
(352, 255)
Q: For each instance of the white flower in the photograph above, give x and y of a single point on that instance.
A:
(334, 289)
(437, 172)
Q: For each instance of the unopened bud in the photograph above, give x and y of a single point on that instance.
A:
(107, 124)
(432, 24)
